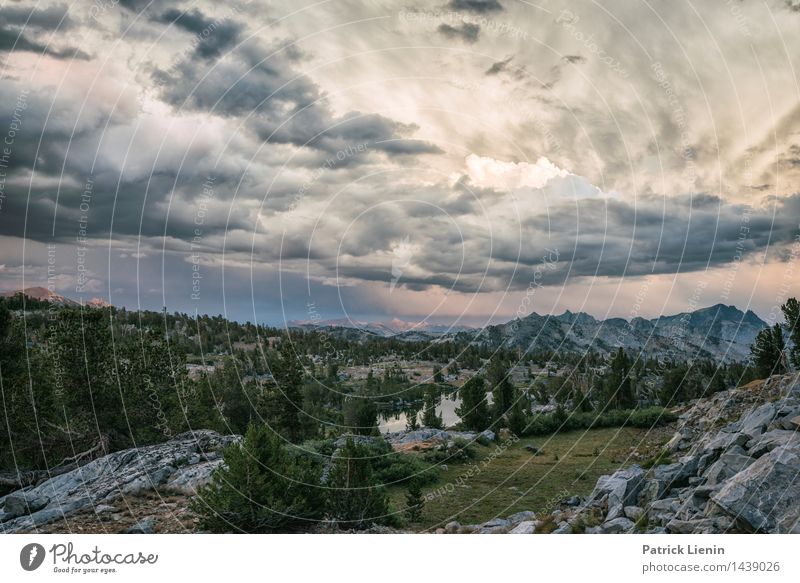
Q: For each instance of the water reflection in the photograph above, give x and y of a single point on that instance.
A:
(396, 421)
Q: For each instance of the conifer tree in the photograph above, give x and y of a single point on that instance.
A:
(412, 424)
(502, 389)
(355, 499)
(414, 501)
(767, 352)
(429, 416)
(289, 401)
(474, 411)
(791, 311)
(261, 488)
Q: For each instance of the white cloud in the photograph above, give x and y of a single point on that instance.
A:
(487, 172)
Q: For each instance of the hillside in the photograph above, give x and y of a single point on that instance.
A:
(732, 466)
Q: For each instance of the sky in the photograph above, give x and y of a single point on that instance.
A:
(464, 162)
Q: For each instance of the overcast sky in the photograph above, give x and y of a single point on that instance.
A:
(466, 161)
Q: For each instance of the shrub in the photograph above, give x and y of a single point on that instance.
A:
(398, 468)
(460, 450)
(549, 423)
(260, 488)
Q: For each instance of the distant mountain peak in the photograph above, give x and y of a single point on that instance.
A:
(392, 327)
(43, 294)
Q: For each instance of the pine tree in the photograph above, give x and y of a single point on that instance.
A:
(502, 389)
(414, 501)
(791, 311)
(429, 416)
(437, 375)
(289, 380)
(261, 488)
(412, 424)
(619, 385)
(518, 417)
(767, 352)
(474, 411)
(361, 415)
(355, 500)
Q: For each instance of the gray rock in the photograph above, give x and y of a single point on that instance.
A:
(113, 476)
(621, 488)
(525, 527)
(675, 475)
(633, 512)
(722, 441)
(495, 522)
(564, 527)
(662, 511)
(525, 515)
(187, 479)
(492, 530)
(104, 509)
(650, 492)
(755, 423)
(728, 465)
(699, 526)
(616, 526)
(22, 503)
(593, 530)
(144, 526)
(488, 434)
(452, 527)
(426, 434)
(771, 440)
(705, 491)
(765, 497)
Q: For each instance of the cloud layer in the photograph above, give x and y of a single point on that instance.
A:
(301, 146)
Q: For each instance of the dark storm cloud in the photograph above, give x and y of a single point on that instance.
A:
(594, 237)
(20, 24)
(135, 5)
(284, 107)
(467, 32)
(17, 41)
(50, 18)
(212, 36)
(476, 6)
(662, 235)
(249, 80)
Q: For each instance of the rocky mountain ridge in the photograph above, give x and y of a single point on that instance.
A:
(719, 332)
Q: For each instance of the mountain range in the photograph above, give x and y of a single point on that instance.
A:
(719, 332)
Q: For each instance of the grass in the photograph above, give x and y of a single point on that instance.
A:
(514, 480)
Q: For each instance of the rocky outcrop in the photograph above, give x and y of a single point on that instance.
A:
(737, 470)
(428, 438)
(180, 465)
